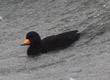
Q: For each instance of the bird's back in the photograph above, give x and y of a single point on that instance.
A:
(59, 41)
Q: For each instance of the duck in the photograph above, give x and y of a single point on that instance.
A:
(54, 42)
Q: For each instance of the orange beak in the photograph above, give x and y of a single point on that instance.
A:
(27, 41)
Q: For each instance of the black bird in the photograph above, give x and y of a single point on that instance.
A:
(54, 42)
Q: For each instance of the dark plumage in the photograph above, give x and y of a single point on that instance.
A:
(50, 43)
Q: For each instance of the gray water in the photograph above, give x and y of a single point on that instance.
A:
(87, 59)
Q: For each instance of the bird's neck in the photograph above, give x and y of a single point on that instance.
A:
(33, 50)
